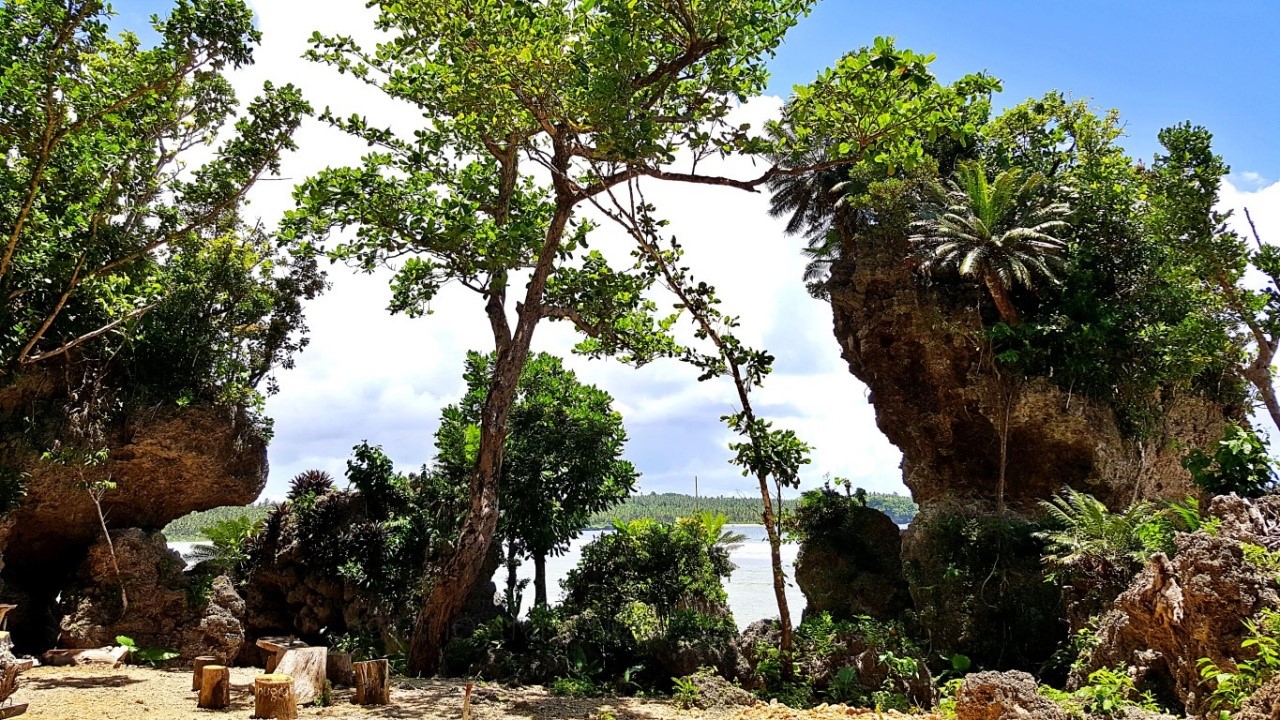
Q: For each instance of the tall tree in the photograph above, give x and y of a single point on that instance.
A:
(531, 110)
(102, 206)
(563, 457)
(1184, 183)
(1001, 232)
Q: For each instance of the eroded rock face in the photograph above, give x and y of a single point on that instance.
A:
(1004, 696)
(1179, 611)
(1264, 704)
(857, 571)
(971, 435)
(166, 462)
(938, 400)
(192, 613)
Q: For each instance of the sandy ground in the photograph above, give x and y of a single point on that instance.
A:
(132, 692)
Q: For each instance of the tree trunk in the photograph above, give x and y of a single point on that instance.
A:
(215, 687)
(513, 582)
(1004, 304)
(373, 686)
(448, 589)
(779, 578)
(273, 697)
(540, 579)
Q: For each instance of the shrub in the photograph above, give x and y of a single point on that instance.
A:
(574, 687)
(1239, 464)
(1231, 688)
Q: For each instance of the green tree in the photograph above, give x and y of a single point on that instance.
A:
(105, 213)
(563, 457)
(584, 96)
(1001, 232)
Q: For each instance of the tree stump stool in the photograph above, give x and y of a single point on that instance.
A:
(197, 665)
(215, 687)
(373, 682)
(338, 669)
(273, 697)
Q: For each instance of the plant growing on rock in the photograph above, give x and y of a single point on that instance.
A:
(1229, 688)
(1239, 464)
(1004, 233)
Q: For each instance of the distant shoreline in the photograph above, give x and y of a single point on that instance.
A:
(664, 507)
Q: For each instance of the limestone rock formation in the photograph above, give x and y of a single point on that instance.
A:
(1191, 607)
(855, 570)
(192, 613)
(1004, 696)
(972, 436)
(165, 461)
(938, 400)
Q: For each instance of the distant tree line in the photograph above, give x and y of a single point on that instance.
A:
(667, 507)
(190, 527)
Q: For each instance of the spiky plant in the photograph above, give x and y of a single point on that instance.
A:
(309, 482)
(1092, 539)
(1003, 233)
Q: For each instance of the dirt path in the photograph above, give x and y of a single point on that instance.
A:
(132, 693)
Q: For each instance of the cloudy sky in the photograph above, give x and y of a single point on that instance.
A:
(368, 375)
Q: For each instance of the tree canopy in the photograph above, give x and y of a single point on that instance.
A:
(123, 234)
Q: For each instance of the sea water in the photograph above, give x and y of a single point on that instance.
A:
(750, 588)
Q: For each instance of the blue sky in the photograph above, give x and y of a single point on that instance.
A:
(371, 376)
(1215, 63)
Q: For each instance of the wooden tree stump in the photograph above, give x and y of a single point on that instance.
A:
(338, 669)
(273, 697)
(215, 687)
(307, 668)
(373, 686)
(197, 665)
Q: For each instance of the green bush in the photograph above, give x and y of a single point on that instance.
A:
(574, 687)
(1229, 688)
(1239, 464)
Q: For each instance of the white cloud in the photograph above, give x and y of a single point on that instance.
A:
(369, 375)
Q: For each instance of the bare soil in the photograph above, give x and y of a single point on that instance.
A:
(130, 693)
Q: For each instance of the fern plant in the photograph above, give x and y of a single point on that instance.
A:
(1090, 538)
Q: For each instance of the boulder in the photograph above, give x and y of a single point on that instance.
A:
(714, 691)
(193, 614)
(1005, 696)
(1180, 610)
(856, 569)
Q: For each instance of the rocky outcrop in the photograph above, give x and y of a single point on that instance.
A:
(1181, 610)
(978, 441)
(165, 462)
(1004, 696)
(194, 614)
(938, 399)
(856, 569)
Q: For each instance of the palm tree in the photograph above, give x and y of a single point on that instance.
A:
(1002, 233)
(816, 208)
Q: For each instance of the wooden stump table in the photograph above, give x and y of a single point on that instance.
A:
(276, 647)
(215, 687)
(373, 682)
(273, 697)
